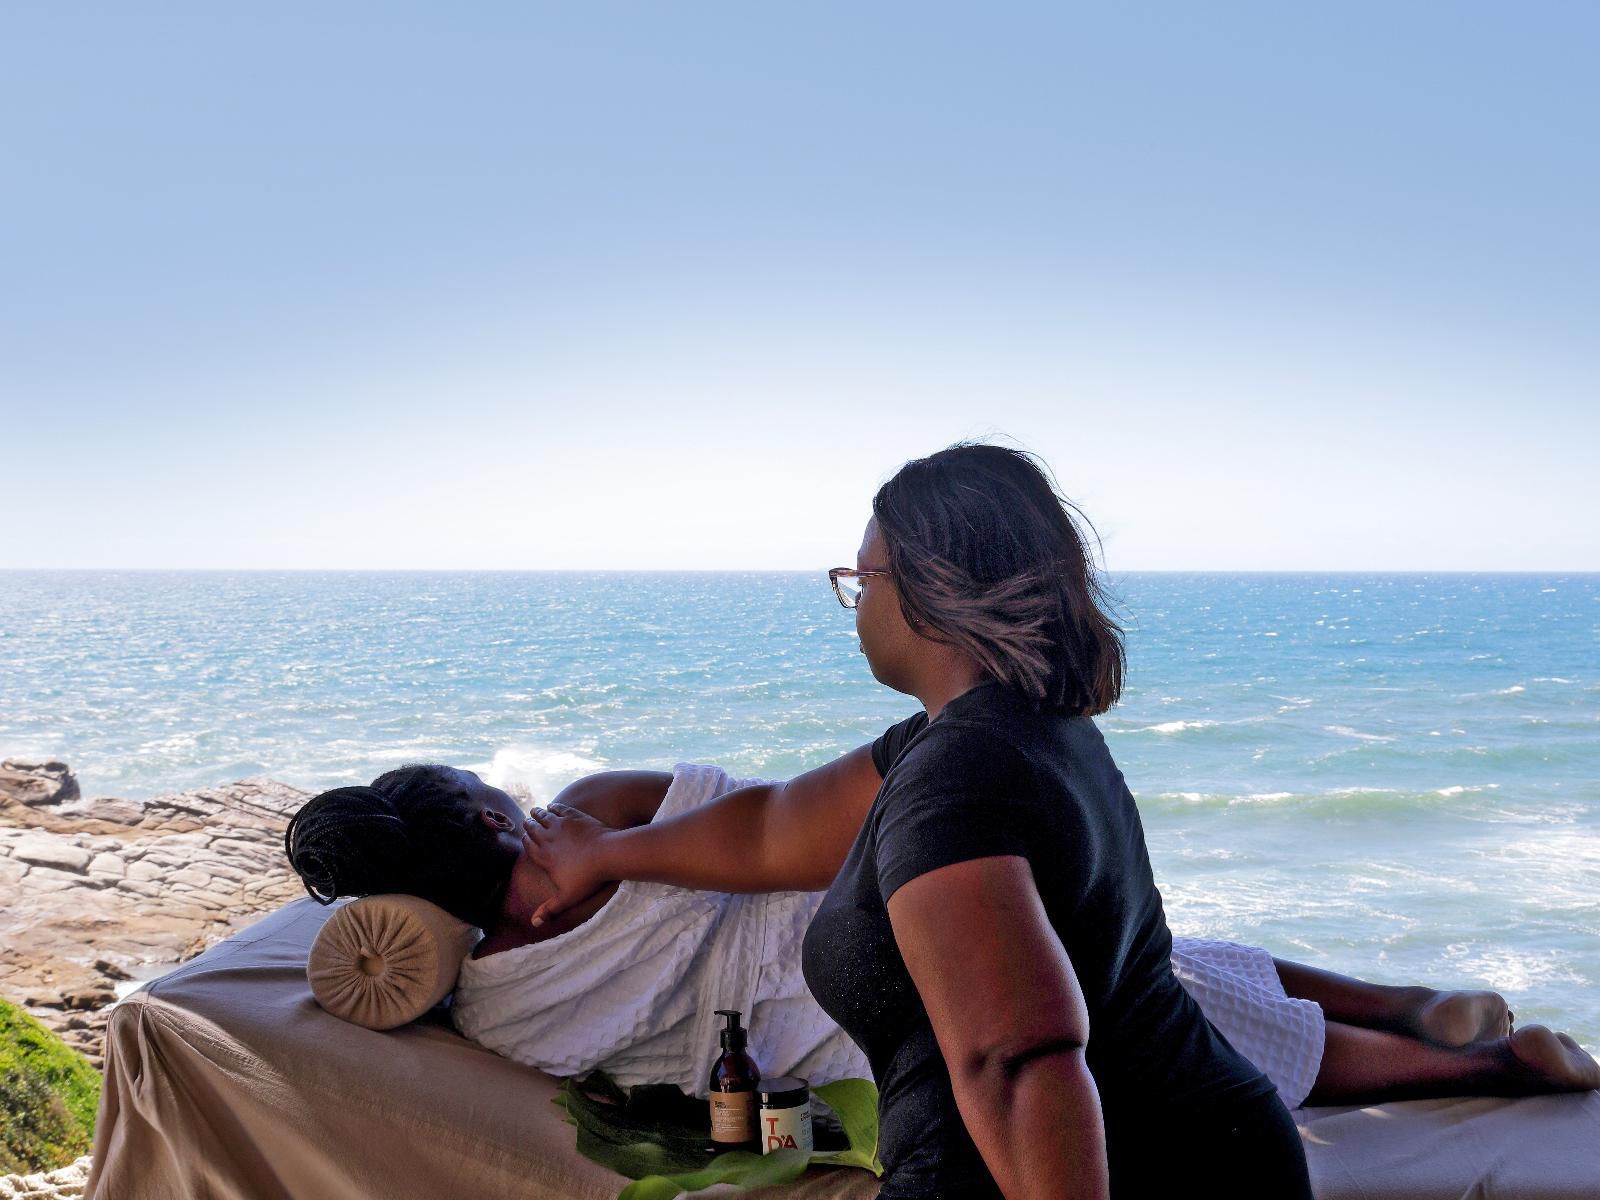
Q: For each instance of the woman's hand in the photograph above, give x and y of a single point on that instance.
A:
(566, 844)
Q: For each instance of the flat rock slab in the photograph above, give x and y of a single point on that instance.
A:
(30, 782)
(103, 894)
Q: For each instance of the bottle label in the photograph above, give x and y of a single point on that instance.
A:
(786, 1128)
(733, 1117)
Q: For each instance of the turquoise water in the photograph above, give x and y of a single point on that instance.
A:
(1397, 776)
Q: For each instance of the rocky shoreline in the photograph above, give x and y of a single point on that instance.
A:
(64, 1183)
(102, 894)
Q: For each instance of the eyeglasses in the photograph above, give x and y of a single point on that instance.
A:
(847, 584)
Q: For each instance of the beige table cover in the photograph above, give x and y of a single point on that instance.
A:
(225, 1079)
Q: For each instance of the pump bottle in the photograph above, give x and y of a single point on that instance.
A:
(735, 1115)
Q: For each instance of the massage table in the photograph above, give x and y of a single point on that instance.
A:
(225, 1078)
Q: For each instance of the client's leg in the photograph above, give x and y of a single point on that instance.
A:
(1370, 1065)
(1444, 1018)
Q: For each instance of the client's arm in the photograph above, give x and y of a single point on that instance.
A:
(765, 838)
(620, 799)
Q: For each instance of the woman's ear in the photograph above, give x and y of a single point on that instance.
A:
(498, 821)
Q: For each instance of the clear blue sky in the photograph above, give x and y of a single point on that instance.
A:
(593, 285)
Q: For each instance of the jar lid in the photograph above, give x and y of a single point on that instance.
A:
(784, 1091)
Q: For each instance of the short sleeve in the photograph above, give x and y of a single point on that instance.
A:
(892, 743)
(961, 793)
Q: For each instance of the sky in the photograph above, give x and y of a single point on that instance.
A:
(611, 286)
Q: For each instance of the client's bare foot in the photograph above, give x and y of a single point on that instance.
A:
(1459, 1018)
(1550, 1062)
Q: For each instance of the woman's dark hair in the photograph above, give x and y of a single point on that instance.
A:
(415, 831)
(987, 557)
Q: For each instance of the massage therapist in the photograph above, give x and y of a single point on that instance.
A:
(991, 936)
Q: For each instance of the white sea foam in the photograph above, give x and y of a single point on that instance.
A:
(1507, 970)
(541, 771)
(1346, 731)
(1173, 726)
(1511, 691)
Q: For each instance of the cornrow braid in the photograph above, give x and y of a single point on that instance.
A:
(414, 831)
(348, 842)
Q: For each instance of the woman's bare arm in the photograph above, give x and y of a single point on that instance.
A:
(766, 838)
(1011, 1022)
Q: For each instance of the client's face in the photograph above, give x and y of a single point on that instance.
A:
(530, 884)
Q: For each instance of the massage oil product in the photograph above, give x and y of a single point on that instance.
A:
(735, 1118)
(785, 1114)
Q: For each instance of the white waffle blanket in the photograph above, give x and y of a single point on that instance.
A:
(1239, 991)
(634, 989)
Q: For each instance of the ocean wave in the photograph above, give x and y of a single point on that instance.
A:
(1339, 801)
(1173, 727)
(1507, 970)
(1346, 731)
(535, 770)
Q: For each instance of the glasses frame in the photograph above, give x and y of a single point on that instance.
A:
(836, 573)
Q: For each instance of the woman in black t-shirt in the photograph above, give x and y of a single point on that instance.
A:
(994, 939)
(992, 936)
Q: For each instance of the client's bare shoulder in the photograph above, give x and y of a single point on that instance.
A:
(622, 799)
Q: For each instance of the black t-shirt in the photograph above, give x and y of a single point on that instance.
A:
(994, 777)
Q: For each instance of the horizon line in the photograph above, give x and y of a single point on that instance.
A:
(822, 571)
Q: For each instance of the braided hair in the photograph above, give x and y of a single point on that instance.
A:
(415, 831)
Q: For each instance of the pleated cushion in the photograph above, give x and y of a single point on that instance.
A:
(383, 961)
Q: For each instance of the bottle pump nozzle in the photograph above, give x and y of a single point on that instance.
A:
(733, 1037)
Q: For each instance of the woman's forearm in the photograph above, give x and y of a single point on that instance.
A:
(721, 846)
(1038, 1126)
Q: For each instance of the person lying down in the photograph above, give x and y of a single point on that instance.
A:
(629, 980)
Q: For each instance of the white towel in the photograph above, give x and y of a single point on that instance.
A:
(635, 989)
(1240, 993)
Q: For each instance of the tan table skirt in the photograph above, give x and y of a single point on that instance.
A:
(225, 1079)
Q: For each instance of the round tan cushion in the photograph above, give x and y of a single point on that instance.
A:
(382, 961)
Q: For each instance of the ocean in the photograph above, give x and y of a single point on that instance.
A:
(1394, 776)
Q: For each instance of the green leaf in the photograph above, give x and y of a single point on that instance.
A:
(656, 1136)
(856, 1103)
(739, 1167)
